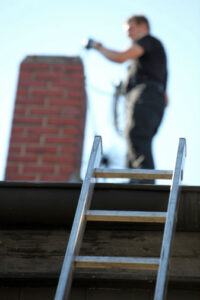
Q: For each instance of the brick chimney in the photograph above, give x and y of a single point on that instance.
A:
(49, 118)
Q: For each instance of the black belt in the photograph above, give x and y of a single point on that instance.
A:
(159, 85)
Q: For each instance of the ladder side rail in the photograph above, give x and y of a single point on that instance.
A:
(79, 223)
(162, 278)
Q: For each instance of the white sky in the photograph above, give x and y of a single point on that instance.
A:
(42, 27)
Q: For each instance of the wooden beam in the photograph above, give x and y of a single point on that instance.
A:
(125, 216)
(106, 262)
(133, 173)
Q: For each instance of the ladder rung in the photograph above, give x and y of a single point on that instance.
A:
(106, 262)
(133, 173)
(125, 216)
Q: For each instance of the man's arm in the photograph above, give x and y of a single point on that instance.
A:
(133, 52)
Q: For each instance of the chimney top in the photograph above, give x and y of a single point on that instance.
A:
(56, 59)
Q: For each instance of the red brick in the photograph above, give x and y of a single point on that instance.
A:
(22, 158)
(14, 149)
(58, 159)
(25, 139)
(67, 169)
(29, 100)
(68, 84)
(32, 83)
(38, 169)
(48, 93)
(63, 121)
(41, 149)
(22, 92)
(76, 75)
(67, 150)
(34, 66)
(50, 76)
(25, 121)
(12, 168)
(45, 111)
(74, 67)
(11, 176)
(75, 94)
(25, 75)
(43, 130)
(74, 111)
(17, 130)
(54, 178)
(68, 67)
(71, 131)
(19, 111)
(60, 140)
(65, 102)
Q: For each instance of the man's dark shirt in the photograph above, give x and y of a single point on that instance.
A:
(151, 66)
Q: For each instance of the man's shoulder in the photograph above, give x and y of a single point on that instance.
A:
(149, 38)
(145, 41)
(149, 42)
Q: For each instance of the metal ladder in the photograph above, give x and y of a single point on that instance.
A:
(84, 214)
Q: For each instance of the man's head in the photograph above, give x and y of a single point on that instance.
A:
(137, 26)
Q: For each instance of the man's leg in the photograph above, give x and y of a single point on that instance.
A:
(143, 156)
(140, 132)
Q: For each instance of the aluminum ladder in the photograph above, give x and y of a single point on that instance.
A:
(83, 214)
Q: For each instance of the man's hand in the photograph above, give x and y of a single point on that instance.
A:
(96, 45)
(166, 99)
(91, 44)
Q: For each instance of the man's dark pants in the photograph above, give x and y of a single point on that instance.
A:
(145, 107)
